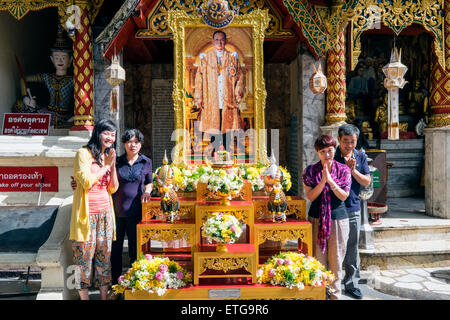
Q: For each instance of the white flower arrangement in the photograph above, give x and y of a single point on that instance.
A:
(188, 177)
(225, 181)
(222, 228)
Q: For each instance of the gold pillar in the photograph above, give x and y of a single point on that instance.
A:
(336, 90)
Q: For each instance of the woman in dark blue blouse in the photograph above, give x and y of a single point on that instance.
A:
(134, 171)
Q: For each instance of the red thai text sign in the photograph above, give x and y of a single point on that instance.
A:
(28, 179)
(26, 124)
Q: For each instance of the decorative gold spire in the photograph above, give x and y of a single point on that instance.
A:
(165, 160)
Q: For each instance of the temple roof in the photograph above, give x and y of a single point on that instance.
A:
(130, 31)
(118, 21)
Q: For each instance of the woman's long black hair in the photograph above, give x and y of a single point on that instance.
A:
(95, 144)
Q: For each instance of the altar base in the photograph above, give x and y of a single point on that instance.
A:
(245, 292)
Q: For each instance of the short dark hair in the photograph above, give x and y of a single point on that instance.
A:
(219, 31)
(324, 141)
(348, 130)
(130, 133)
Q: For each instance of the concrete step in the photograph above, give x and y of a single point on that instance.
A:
(406, 162)
(404, 190)
(407, 254)
(389, 145)
(415, 234)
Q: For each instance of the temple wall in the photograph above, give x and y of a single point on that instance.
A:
(138, 102)
(102, 89)
(310, 112)
(277, 78)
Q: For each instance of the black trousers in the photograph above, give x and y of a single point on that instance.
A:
(123, 226)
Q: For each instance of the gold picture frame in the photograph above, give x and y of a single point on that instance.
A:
(258, 21)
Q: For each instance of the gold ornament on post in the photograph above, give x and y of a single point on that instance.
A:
(394, 72)
(277, 204)
(318, 81)
(115, 75)
(169, 198)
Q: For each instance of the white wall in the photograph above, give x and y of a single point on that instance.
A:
(30, 39)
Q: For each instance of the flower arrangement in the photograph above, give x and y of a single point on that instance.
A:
(292, 269)
(186, 177)
(225, 181)
(154, 275)
(222, 228)
(254, 175)
(286, 180)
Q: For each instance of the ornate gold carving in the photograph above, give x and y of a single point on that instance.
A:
(297, 207)
(335, 118)
(258, 20)
(157, 20)
(397, 15)
(19, 8)
(153, 209)
(225, 264)
(439, 120)
(321, 25)
(280, 235)
(166, 234)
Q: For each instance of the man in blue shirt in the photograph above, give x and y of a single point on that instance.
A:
(357, 162)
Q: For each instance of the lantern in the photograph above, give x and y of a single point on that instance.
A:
(115, 75)
(394, 72)
(318, 81)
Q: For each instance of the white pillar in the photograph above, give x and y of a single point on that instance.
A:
(437, 172)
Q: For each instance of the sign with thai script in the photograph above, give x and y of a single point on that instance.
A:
(25, 179)
(26, 124)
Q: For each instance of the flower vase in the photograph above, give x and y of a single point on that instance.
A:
(221, 247)
(224, 201)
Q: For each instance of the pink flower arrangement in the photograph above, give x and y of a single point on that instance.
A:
(233, 228)
(121, 278)
(163, 268)
(287, 262)
(159, 276)
(271, 272)
(280, 262)
(180, 274)
(148, 257)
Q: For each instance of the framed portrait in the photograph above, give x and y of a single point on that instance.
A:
(219, 93)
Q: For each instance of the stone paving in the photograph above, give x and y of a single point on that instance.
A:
(417, 284)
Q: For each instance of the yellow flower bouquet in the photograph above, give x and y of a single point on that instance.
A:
(154, 275)
(286, 182)
(292, 269)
